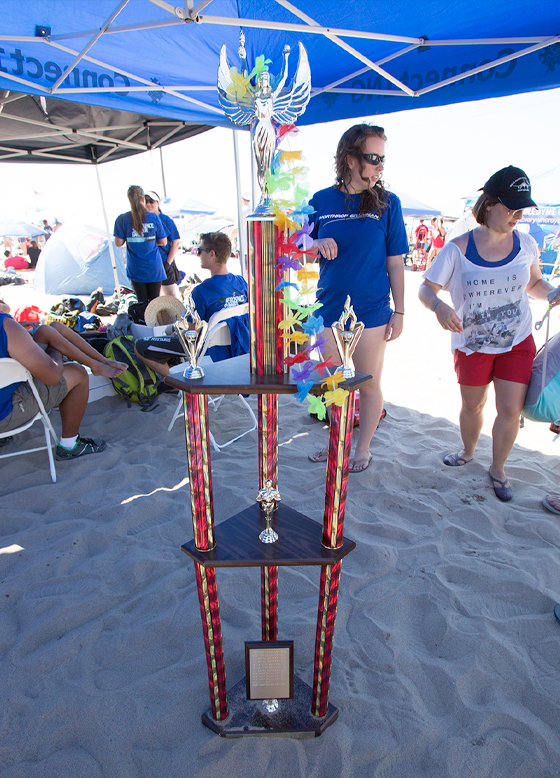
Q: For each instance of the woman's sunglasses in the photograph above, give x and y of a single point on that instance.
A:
(373, 159)
(148, 200)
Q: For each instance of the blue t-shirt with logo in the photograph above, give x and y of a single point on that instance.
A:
(216, 293)
(7, 391)
(364, 243)
(143, 258)
(172, 234)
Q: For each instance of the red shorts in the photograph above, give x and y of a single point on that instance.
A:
(479, 369)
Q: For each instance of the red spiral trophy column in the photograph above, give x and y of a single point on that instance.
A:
(191, 331)
(346, 334)
(267, 352)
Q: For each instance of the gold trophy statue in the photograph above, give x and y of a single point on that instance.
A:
(262, 100)
(191, 334)
(268, 497)
(346, 339)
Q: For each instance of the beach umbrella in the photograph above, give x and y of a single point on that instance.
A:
(19, 229)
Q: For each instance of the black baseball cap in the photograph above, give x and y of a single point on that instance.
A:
(512, 187)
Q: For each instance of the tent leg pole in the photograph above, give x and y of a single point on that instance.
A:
(162, 171)
(242, 238)
(109, 237)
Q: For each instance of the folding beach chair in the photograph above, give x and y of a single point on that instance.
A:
(218, 335)
(11, 371)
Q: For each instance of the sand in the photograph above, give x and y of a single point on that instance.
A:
(446, 658)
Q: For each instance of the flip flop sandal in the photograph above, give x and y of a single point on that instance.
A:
(502, 492)
(359, 465)
(319, 456)
(549, 505)
(455, 460)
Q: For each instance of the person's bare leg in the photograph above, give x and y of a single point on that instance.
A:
(431, 256)
(368, 358)
(158, 367)
(510, 398)
(71, 345)
(471, 417)
(171, 291)
(73, 407)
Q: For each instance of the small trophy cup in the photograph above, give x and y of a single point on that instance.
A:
(347, 339)
(191, 334)
(268, 498)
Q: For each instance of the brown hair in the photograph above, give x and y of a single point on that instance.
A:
(219, 243)
(352, 143)
(137, 208)
(480, 208)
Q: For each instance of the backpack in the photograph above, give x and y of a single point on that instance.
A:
(138, 384)
(543, 395)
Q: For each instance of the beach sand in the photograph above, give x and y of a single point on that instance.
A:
(446, 659)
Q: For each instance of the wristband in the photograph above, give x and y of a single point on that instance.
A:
(436, 305)
(399, 313)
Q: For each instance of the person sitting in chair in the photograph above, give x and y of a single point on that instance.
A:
(222, 290)
(65, 385)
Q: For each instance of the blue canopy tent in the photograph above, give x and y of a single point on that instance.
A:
(154, 57)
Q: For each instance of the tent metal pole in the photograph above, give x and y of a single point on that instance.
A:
(255, 189)
(162, 171)
(111, 248)
(240, 220)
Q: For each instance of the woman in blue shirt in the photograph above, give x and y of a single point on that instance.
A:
(142, 232)
(168, 252)
(361, 237)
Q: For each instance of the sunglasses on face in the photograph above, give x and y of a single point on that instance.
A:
(511, 210)
(148, 200)
(200, 249)
(373, 159)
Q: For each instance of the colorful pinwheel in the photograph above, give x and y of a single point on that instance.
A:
(332, 381)
(337, 397)
(303, 373)
(295, 337)
(303, 390)
(317, 406)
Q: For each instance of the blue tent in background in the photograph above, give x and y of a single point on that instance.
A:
(413, 207)
(188, 207)
(366, 58)
(76, 260)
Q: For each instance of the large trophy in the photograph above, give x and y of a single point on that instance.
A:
(346, 332)
(247, 539)
(191, 334)
(261, 103)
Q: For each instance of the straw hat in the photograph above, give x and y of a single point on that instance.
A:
(163, 310)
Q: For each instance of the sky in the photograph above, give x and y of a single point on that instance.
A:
(437, 155)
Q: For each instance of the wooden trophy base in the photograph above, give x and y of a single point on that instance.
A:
(293, 717)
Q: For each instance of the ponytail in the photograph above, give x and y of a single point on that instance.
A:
(137, 208)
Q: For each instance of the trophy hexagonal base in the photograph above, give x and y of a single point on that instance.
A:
(293, 717)
(193, 372)
(268, 536)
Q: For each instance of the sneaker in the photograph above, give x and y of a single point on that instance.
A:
(82, 446)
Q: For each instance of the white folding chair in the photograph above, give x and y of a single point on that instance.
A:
(218, 335)
(11, 371)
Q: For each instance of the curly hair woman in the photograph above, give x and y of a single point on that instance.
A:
(361, 237)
